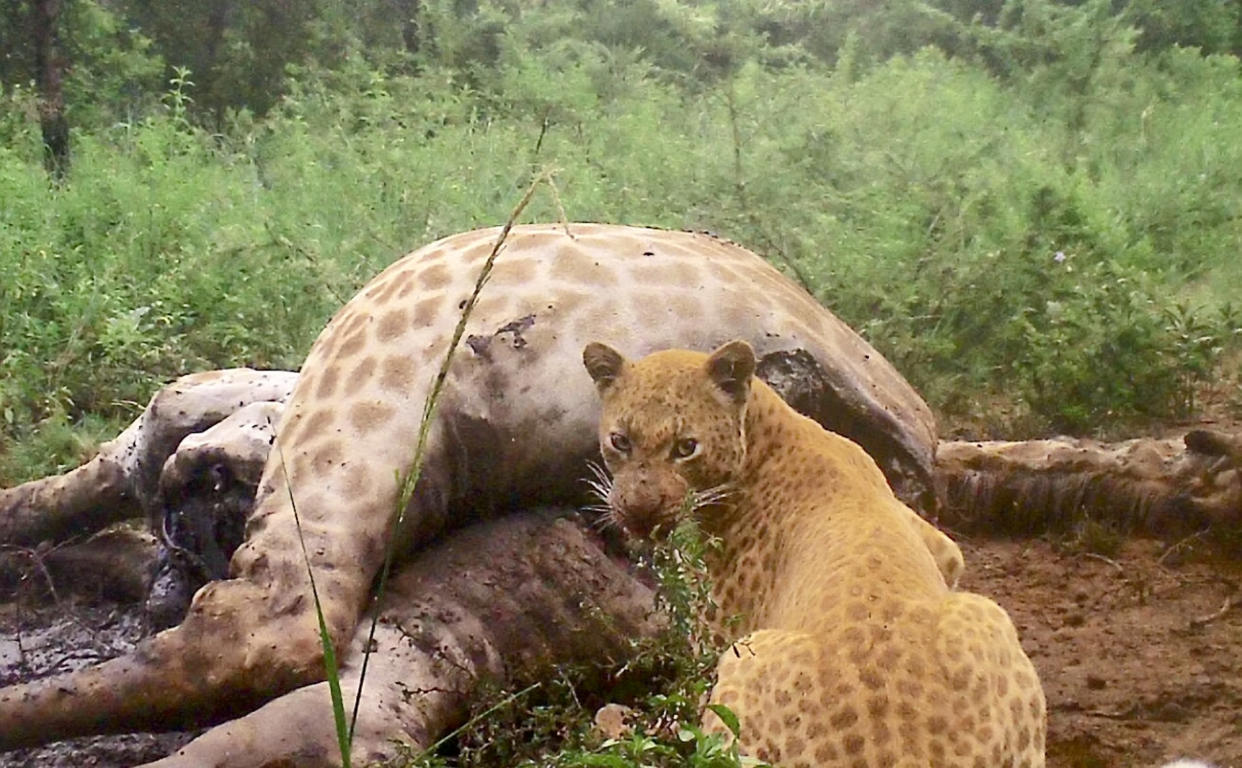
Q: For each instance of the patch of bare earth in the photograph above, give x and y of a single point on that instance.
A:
(71, 634)
(1141, 659)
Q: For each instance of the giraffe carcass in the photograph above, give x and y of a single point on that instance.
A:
(514, 428)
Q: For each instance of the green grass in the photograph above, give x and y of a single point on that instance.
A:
(925, 200)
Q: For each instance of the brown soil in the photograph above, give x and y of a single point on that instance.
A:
(1139, 661)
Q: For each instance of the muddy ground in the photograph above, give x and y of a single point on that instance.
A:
(1141, 657)
(1138, 660)
(64, 635)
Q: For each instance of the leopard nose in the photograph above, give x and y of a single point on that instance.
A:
(640, 508)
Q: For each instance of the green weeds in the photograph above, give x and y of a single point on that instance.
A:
(1040, 232)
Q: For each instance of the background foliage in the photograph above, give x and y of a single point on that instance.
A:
(1033, 208)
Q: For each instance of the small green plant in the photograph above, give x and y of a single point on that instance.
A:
(681, 661)
(1197, 346)
(177, 98)
(684, 595)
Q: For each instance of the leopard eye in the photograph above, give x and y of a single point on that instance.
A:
(685, 448)
(619, 442)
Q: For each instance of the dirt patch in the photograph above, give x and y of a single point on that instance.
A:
(1133, 674)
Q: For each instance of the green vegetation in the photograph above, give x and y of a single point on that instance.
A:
(1032, 208)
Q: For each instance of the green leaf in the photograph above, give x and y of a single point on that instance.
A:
(728, 718)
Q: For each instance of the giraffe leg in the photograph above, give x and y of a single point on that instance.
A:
(244, 640)
(122, 478)
(186, 675)
(411, 697)
(434, 646)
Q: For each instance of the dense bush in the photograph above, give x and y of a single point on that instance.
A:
(1040, 227)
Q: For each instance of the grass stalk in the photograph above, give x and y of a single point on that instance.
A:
(331, 668)
(344, 730)
(410, 481)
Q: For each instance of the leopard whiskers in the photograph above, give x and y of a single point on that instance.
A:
(606, 519)
(600, 486)
(605, 516)
(717, 494)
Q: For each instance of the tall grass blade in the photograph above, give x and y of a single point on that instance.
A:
(331, 670)
(408, 484)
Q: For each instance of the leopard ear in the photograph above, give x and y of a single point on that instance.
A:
(730, 368)
(603, 363)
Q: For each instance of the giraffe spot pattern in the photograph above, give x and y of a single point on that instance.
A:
(368, 416)
(397, 373)
(434, 277)
(391, 326)
(515, 271)
(576, 268)
(360, 375)
(327, 382)
(353, 344)
(327, 457)
(356, 481)
(313, 426)
(426, 311)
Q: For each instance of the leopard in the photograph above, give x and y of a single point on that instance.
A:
(847, 642)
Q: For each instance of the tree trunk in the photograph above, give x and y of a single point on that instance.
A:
(50, 68)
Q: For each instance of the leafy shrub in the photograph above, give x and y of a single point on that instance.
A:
(923, 198)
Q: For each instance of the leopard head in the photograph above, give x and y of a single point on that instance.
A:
(672, 428)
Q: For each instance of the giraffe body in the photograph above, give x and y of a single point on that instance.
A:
(852, 649)
(512, 428)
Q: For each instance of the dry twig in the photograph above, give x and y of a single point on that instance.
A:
(1229, 604)
(1096, 556)
(1178, 545)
